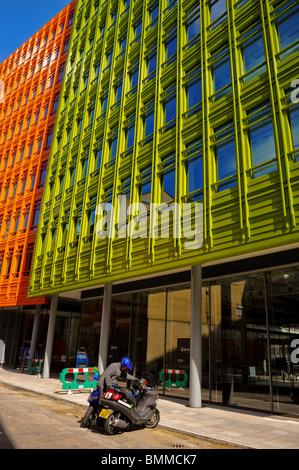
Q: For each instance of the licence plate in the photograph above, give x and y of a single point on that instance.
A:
(105, 413)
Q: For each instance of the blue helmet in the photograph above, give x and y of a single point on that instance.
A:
(126, 362)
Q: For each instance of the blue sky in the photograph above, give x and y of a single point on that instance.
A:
(20, 19)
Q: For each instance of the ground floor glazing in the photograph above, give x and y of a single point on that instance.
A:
(248, 324)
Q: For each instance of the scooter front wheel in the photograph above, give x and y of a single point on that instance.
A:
(154, 421)
(109, 427)
(88, 418)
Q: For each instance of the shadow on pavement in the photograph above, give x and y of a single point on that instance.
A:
(5, 442)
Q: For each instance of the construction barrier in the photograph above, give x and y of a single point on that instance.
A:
(77, 382)
(174, 377)
(36, 365)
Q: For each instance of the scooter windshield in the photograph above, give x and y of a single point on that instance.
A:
(150, 379)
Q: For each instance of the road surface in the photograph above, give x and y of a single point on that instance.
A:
(31, 421)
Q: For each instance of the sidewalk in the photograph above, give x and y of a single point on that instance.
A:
(235, 427)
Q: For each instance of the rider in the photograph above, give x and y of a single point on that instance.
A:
(112, 373)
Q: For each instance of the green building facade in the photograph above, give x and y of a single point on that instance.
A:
(176, 144)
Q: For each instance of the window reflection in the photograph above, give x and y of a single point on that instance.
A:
(261, 140)
(225, 154)
(221, 74)
(294, 119)
(287, 29)
(217, 9)
(253, 54)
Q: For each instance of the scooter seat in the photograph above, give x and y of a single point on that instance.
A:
(126, 392)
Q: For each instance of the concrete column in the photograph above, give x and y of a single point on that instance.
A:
(105, 324)
(50, 337)
(196, 338)
(34, 331)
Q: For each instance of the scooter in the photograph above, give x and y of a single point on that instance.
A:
(123, 407)
(94, 407)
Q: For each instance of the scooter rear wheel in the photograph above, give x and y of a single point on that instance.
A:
(108, 425)
(154, 421)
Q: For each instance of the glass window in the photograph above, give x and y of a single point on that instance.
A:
(72, 176)
(154, 13)
(217, 9)
(149, 124)
(225, 154)
(77, 226)
(113, 149)
(152, 63)
(193, 94)
(98, 157)
(287, 29)
(221, 74)
(97, 69)
(170, 110)
(85, 166)
(261, 140)
(26, 216)
(49, 137)
(168, 176)
(104, 102)
(171, 46)
(171, 4)
(43, 173)
(91, 114)
(33, 177)
(134, 78)
(123, 44)
(294, 119)
(192, 27)
(168, 186)
(36, 215)
(118, 92)
(92, 220)
(253, 55)
(138, 29)
(130, 136)
(194, 168)
(262, 143)
(145, 186)
(55, 104)
(79, 125)
(195, 175)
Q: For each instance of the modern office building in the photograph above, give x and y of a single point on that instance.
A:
(32, 79)
(171, 204)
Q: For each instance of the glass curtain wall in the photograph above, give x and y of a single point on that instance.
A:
(283, 294)
(245, 321)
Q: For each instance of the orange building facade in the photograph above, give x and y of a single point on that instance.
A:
(32, 78)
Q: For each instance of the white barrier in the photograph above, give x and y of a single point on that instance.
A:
(2, 352)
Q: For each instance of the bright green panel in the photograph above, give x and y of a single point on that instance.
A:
(118, 134)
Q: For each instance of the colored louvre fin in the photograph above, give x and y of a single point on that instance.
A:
(180, 104)
(32, 78)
